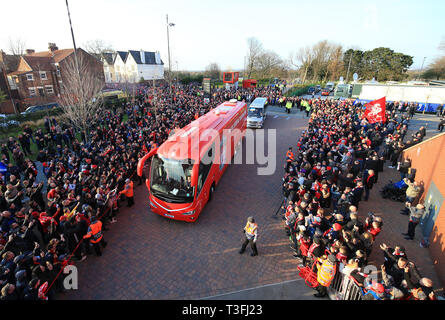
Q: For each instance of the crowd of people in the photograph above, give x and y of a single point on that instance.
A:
(331, 170)
(49, 223)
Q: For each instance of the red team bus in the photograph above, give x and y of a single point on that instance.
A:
(185, 170)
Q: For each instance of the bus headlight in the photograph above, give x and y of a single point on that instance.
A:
(152, 204)
(189, 213)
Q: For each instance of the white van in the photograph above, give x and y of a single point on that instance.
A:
(256, 113)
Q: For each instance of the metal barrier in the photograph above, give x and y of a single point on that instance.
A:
(343, 287)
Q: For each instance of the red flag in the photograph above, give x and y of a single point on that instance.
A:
(376, 111)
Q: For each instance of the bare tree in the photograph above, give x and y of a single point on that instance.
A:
(267, 64)
(17, 46)
(442, 45)
(255, 49)
(213, 71)
(335, 63)
(97, 47)
(303, 60)
(80, 101)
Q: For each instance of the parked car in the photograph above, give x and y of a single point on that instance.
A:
(325, 92)
(42, 107)
(310, 90)
(317, 88)
(330, 86)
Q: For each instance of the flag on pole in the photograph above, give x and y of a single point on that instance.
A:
(376, 111)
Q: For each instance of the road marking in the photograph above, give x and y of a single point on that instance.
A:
(287, 118)
(249, 289)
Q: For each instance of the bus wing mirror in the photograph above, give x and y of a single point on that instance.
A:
(142, 161)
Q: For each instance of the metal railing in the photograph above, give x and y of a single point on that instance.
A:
(343, 287)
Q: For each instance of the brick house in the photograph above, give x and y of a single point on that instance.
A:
(39, 75)
(8, 63)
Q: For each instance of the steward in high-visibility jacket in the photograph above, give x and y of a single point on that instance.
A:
(288, 106)
(94, 232)
(128, 192)
(290, 155)
(326, 273)
(95, 235)
(251, 233)
(289, 158)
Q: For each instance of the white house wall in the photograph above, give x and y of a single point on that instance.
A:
(404, 93)
(150, 71)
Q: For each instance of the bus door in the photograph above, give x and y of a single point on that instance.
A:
(143, 168)
(205, 170)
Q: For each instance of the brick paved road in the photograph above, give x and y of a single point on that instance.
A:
(150, 257)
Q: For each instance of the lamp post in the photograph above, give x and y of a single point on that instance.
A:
(169, 59)
(74, 41)
(421, 69)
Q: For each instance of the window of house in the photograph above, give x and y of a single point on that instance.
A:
(49, 89)
(32, 92)
(43, 75)
(29, 77)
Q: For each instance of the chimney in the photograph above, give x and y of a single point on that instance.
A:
(142, 56)
(30, 51)
(52, 47)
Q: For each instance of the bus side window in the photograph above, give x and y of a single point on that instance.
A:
(205, 166)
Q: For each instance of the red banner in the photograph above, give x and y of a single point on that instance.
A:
(376, 111)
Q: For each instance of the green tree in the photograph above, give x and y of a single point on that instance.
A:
(381, 63)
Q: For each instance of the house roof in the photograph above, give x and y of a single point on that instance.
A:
(123, 55)
(150, 57)
(108, 57)
(17, 73)
(57, 55)
(36, 63)
(11, 62)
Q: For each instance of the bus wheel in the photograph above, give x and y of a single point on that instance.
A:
(212, 189)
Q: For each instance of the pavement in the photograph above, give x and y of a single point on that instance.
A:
(152, 257)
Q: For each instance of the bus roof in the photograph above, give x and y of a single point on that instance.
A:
(193, 137)
(259, 102)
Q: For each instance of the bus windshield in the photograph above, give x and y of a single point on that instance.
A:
(254, 112)
(171, 179)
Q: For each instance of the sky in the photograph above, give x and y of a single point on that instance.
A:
(217, 31)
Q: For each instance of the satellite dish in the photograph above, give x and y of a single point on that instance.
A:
(355, 77)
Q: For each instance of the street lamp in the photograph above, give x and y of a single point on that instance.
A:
(169, 60)
(74, 41)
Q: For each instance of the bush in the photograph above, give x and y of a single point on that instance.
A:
(33, 116)
(298, 90)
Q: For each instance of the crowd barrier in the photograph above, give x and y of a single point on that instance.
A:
(343, 287)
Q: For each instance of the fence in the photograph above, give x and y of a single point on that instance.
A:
(343, 287)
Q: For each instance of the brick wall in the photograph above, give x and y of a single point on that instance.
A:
(428, 158)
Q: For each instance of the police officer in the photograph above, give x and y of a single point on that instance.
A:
(95, 235)
(251, 233)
